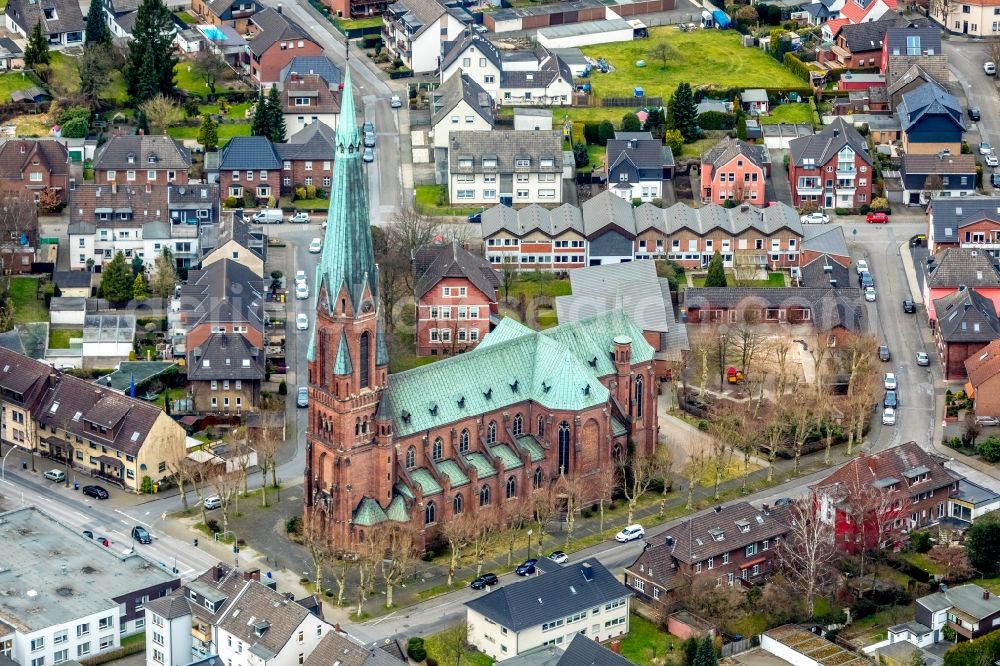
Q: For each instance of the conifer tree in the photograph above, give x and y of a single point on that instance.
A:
(684, 113)
(116, 280)
(149, 68)
(716, 276)
(97, 31)
(276, 116)
(37, 50)
(208, 135)
(139, 290)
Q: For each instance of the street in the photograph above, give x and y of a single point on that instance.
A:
(965, 60)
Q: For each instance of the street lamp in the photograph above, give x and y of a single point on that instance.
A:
(3, 464)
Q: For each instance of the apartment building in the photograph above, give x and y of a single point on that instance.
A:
(831, 169)
(136, 160)
(734, 170)
(513, 168)
(415, 31)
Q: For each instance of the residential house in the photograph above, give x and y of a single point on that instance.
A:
(305, 158)
(831, 169)
(817, 13)
(638, 166)
(11, 55)
(899, 82)
(966, 322)
(36, 165)
(932, 121)
(943, 175)
(755, 102)
(976, 18)
(511, 77)
(972, 222)
(136, 160)
(825, 260)
(356, 8)
(513, 167)
(579, 598)
(73, 284)
(459, 104)
(456, 294)
(971, 501)
(62, 20)
(276, 41)
(247, 163)
(309, 99)
(911, 40)
(983, 370)
(233, 13)
(537, 238)
(415, 31)
(861, 82)
(859, 45)
(108, 590)
(581, 650)
(240, 243)
(969, 610)
(954, 267)
(340, 646)
(864, 11)
(824, 309)
(902, 488)
(231, 614)
(217, 323)
(735, 170)
(120, 16)
(320, 65)
(735, 544)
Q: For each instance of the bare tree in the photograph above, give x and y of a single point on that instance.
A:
(457, 532)
(18, 217)
(341, 568)
(454, 645)
(516, 512)
(859, 359)
(210, 68)
(637, 474)
(483, 537)
(720, 343)
(393, 273)
(508, 272)
(570, 489)
(161, 112)
(780, 349)
(370, 553)
(317, 540)
(604, 484)
(726, 428)
(165, 277)
(179, 466)
(776, 437)
(806, 553)
(697, 463)
(544, 505)
(872, 512)
(227, 487)
(802, 413)
(401, 552)
(704, 597)
(267, 443)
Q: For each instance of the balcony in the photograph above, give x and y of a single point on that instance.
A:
(846, 170)
(961, 630)
(184, 230)
(803, 190)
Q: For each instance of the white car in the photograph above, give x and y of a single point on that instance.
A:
(302, 322)
(631, 533)
(302, 291)
(213, 502)
(861, 266)
(889, 416)
(815, 218)
(395, 102)
(990, 68)
(991, 160)
(890, 381)
(316, 245)
(985, 148)
(870, 294)
(299, 218)
(988, 421)
(300, 277)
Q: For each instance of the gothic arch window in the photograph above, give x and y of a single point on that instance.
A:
(457, 504)
(616, 452)
(511, 487)
(537, 479)
(364, 426)
(430, 514)
(541, 426)
(357, 427)
(491, 433)
(484, 496)
(463, 441)
(638, 397)
(364, 353)
(518, 425)
(411, 457)
(438, 449)
(564, 448)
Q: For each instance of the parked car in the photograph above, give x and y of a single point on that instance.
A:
(870, 294)
(867, 280)
(88, 534)
(104, 541)
(141, 535)
(299, 218)
(526, 568)
(995, 179)
(988, 421)
(923, 359)
(985, 148)
(990, 68)
(890, 381)
(877, 218)
(631, 533)
(883, 353)
(891, 400)
(559, 557)
(302, 291)
(909, 307)
(316, 246)
(213, 502)
(992, 161)
(476, 218)
(889, 416)
(369, 126)
(369, 155)
(815, 218)
(861, 266)
(56, 475)
(395, 102)
(302, 397)
(300, 277)
(784, 501)
(269, 216)
(369, 140)
(484, 581)
(302, 322)
(974, 113)
(97, 492)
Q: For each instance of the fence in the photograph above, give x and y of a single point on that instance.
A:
(632, 102)
(737, 647)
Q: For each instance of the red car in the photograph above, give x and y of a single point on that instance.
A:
(877, 218)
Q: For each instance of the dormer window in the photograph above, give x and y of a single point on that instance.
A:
(489, 162)
(131, 158)
(743, 525)
(50, 13)
(465, 162)
(546, 163)
(717, 534)
(522, 162)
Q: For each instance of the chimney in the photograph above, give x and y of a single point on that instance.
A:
(836, 133)
(278, 8)
(114, 187)
(767, 510)
(252, 574)
(218, 572)
(986, 594)
(718, 509)
(669, 540)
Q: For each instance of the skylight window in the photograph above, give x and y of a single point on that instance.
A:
(135, 436)
(76, 417)
(54, 407)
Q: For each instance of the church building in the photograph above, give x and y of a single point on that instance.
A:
(463, 434)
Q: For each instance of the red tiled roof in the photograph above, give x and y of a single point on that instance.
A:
(16, 154)
(892, 463)
(984, 364)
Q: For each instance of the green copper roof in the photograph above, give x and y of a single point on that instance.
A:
(343, 365)
(506, 456)
(397, 510)
(617, 427)
(381, 350)
(454, 472)
(483, 467)
(531, 445)
(428, 484)
(348, 258)
(368, 513)
(402, 489)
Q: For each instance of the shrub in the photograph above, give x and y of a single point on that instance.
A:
(716, 120)
(431, 661)
(72, 113)
(283, 388)
(212, 524)
(796, 66)
(415, 649)
(293, 525)
(865, 209)
(842, 211)
(310, 191)
(989, 449)
(147, 485)
(76, 128)
(921, 541)
(862, 608)
(300, 193)
(230, 202)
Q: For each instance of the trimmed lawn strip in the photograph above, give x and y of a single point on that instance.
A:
(427, 202)
(59, 337)
(645, 643)
(445, 654)
(11, 82)
(539, 284)
(359, 23)
(185, 78)
(27, 308)
(226, 132)
(774, 280)
(788, 113)
(236, 112)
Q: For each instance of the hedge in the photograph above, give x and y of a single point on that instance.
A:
(982, 650)
(716, 120)
(797, 67)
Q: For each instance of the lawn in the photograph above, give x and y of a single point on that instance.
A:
(704, 58)
(236, 112)
(773, 280)
(59, 337)
(427, 197)
(645, 643)
(921, 561)
(539, 283)
(226, 131)
(27, 308)
(596, 154)
(185, 78)
(735, 469)
(788, 113)
(186, 17)
(12, 82)
(441, 648)
(359, 23)
(311, 204)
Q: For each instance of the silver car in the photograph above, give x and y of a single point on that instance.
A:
(302, 397)
(369, 155)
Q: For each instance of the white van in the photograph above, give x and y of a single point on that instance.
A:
(269, 216)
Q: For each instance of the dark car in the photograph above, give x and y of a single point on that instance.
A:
(784, 501)
(88, 534)
(96, 492)
(883, 353)
(867, 280)
(974, 113)
(484, 581)
(891, 400)
(995, 179)
(141, 535)
(909, 307)
(476, 218)
(527, 567)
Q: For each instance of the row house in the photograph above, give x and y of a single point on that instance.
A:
(859, 45)
(459, 104)
(415, 31)
(864, 11)
(734, 170)
(309, 99)
(732, 545)
(831, 169)
(239, 242)
(874, 497)
(137, 160)
(638, 165)
(909, 40)
(966, 322)
(941, 175)
(969, 610)
(901, 78)
(232, 13)
(36, 166)
(514, 167)
(456, 294)
(825, 260)
(970, 222)
(275, 40)
(954, 267)
(825, 309)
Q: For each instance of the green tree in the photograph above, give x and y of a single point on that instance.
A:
(741, 127)
(706, 652)
(580, 154)
(605, 132)
(97, 31)
(690, 648)
(630, 123)
(139, 290)
(76, 128)
(276, 117)
(989, 449)
(982, 544)
(684, 113)
(37, 51)
(208, 135)
(716, 276)
(94, 67)
(259, 125)
(149, 68)
(116, 280)
(675, 140)
(137, 265)
(165, 278)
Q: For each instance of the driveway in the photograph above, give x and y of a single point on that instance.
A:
(777, 185)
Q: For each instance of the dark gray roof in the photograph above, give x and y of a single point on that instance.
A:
(576, 587)
(969, 599)
(225, 356)
(949, 214)
(454, 90)
(66, 13)
(966, 316)
(145, 152)
(454, 50)
(319, 65)
(417, 15)
(825, 271)
(914, 40)
(239, 231)
(727, 149)
(223, 292)
(868, 36)
(273, 27)
(127, 21)
(72, 279)
(581, 651)
(219, 7)
(315, 141)
(643, 153)
(280, 616)
(550, 67)
(830, 307)
(827, 239)
(342, 649)
(436, 262)
(169, 607)
(249, 152)
(822, 147)
(506, 147)
(929, 99)
(907, 76)
(955, 266)
(8, 48)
